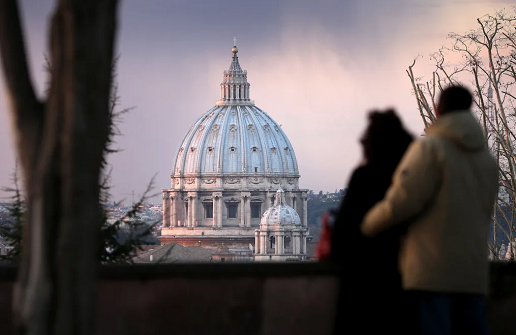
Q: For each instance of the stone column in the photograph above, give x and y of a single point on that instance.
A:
(248, 212)
(166, 210)
(264, 242)
(245, 216)
(303, 243)
(242, 211)
(256, 242)
(180, 214)
(267, 200)
(221, 208)
(173, 214)
(305, 214)
(296, 246)
(184, 213)
(189, 219)
(276, 244)
(215, 211)
(194, 211)
(279, 242)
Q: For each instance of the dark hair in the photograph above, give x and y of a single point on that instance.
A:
(385, 139)
(454, 98)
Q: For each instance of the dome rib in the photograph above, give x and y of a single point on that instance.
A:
(220, 138)
(270, 137)
(263, 138)
(287, 142)
(274, 137)
(192, 156)
(224, 138)
(202, 148)
(259, 130)
(292, 152)
(185, 147)
(179, 157)
(243, 140)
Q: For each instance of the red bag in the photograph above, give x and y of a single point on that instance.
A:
(323, 247)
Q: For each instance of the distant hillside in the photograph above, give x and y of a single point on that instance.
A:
(318, 203)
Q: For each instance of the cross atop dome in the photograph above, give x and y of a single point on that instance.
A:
(235, 49)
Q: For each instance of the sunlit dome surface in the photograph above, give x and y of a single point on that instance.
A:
(235, 136)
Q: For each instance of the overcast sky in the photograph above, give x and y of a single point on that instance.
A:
(316, 67)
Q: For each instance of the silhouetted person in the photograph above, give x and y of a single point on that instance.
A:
(445, 186)
(370, 281)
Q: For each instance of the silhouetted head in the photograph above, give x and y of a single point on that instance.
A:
(452, 99)
(385, 139)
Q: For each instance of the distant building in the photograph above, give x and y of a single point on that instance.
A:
(281, 236)
(175, 253)
(225, 254)
(227, 170)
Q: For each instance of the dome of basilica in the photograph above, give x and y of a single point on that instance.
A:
(235, 136)
(226, 173)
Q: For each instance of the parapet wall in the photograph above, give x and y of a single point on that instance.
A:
(227, 298)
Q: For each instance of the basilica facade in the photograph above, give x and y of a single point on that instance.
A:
(227, 170)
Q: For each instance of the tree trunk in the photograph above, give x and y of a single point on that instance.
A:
(60, 145)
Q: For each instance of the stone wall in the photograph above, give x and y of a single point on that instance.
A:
(233, 298)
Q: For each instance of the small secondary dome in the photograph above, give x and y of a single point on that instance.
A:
(280, 213)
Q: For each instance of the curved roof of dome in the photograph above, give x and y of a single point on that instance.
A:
(236, 139)
(235, 136)
(280, 214)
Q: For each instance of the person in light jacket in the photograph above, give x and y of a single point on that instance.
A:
(445, 187)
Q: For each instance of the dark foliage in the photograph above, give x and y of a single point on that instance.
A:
(11, 224)
(121, 239)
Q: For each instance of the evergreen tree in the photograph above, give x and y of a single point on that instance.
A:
(121, 239)
(11, 228)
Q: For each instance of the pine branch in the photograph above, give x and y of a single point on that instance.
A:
(11, 231)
